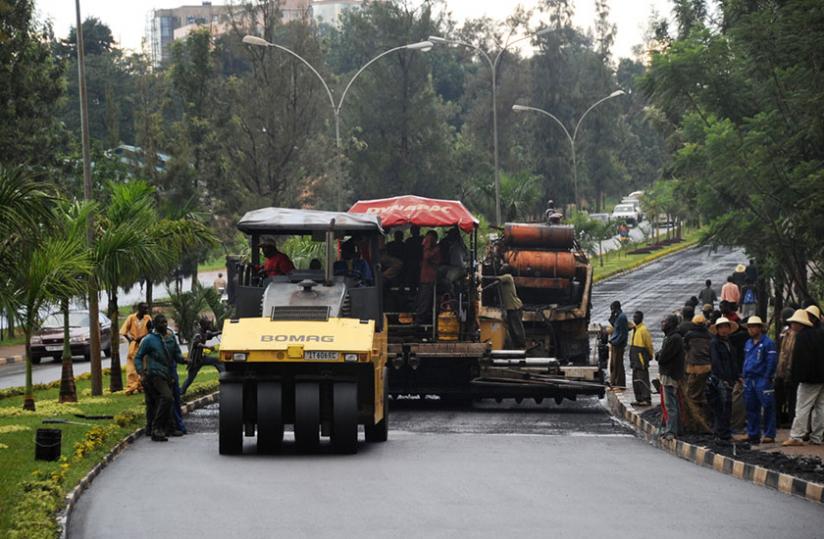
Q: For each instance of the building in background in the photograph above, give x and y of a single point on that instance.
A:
(164, 26)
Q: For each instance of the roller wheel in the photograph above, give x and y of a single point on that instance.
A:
(269, 417)
(230, 419)
(380, 431)
(307, 416)
(345, 417)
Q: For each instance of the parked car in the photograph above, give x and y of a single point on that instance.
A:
(48, 341)
(627, 213)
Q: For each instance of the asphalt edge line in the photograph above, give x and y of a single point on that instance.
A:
(64, 516)
(702, 456)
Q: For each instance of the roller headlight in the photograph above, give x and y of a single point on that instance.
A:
(239, 356)
(350, 357)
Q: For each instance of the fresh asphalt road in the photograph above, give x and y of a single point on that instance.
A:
(488, 471)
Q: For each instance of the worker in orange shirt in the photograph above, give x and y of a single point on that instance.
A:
(136, 326)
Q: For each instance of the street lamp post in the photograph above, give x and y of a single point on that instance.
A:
(94, 308)
(336, 107)
(571, 138)
(493, 66)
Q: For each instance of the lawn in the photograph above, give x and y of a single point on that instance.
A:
(84, 443)
(12, 341)
(618, 261)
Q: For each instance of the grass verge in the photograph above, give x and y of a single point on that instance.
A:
(13, 341)
(32, 492)
(616, 262)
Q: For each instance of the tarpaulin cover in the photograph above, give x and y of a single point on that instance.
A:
(414, 210)
(287, 220)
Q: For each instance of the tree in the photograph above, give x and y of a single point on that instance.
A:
(45, 265)
(30, 88)
(743, 103)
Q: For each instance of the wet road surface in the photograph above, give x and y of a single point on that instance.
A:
(491, 470)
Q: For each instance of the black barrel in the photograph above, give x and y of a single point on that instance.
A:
(47, 444)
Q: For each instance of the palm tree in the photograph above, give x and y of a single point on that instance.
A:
(124, 246)
(50, 272)
(132, 241)
(24, 207)
(72, 219)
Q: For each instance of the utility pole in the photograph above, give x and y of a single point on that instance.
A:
(94, 309)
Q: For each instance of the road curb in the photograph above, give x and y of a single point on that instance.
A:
(785, 483)
(64, 517)
(647, 263)
(11, 359)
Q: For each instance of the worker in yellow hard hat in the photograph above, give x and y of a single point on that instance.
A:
(135, 327)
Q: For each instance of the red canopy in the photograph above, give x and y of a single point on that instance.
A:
(413, 210)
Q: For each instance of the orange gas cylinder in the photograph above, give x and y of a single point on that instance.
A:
(449, 327)
(541, 263)
(538, 235)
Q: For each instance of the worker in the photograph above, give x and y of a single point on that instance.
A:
(640, 354)
(760, 361)
(454, 257)
(412, 255)
(276, 263)
(513, 309)
(708, 295)
(155, 361)
(670, 372)
(731, 293)
(352, 266)
(698, 368)
(219, 284)
(723, 376)
(197, 358)
(136, 326)
(808, 373)
(395, 248)
(617, 345)
(785, 389)
(429, 262)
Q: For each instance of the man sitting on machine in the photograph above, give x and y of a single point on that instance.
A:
(276, 263)
(352, 266)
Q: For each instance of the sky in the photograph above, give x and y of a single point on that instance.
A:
(127, 18)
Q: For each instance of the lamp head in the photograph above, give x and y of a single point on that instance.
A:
(423, 46)
(616, 93)
(519, 108)
(437, 39)
(255, 40)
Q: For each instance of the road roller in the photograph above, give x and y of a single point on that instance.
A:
(307, 343)
(459, 350)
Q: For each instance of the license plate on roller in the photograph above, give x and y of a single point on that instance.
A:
(54, 348)
(322, 356)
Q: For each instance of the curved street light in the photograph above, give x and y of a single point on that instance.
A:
(571, 138)
(493, 66)
(422, 46)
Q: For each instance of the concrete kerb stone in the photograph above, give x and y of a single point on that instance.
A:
(64, 517)
(785, 483)
(11, 359)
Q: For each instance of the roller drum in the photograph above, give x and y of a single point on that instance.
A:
(541, 263)
(539, 236)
